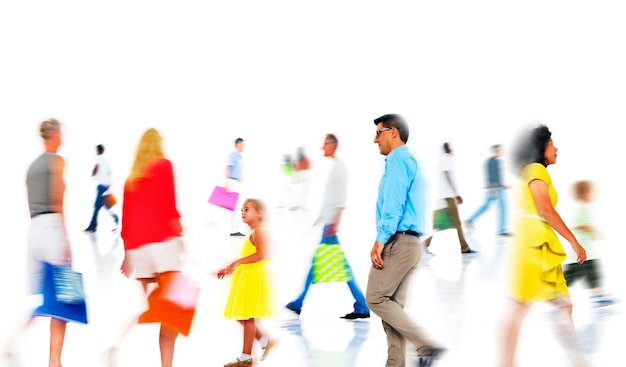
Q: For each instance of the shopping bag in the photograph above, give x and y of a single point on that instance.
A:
(51, 307)
(442, 220)
(109, 200)
(68, 284)
(330, 264)
(287, 169)
(173, 302)
(224, 198)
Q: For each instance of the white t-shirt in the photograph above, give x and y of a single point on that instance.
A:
(103, 176)
(444, 190)
(335, 193)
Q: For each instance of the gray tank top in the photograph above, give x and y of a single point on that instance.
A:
(39, 179)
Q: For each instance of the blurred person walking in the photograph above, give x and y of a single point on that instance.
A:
(250, 297)
(449, 197)
(47, 236)
(286, 189)
(302, 166)
(151, 227)
(494, 192)
(333, 204)
(233, 183)
(535, 272)
(585, 227)
(102, 174)
(400, 221)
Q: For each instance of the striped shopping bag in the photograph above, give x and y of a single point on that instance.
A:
(330, 264)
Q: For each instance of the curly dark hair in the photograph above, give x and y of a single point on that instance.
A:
(531, 147)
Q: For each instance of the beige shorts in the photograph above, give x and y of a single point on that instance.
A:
(46, 243)
(153, 258)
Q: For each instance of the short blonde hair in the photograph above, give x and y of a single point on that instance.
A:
(48, 126)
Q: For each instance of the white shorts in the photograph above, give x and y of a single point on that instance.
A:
(155, 258)
(46, 243)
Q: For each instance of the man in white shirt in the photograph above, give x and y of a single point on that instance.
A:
(334, 201)
(449, 197)
(102, 174)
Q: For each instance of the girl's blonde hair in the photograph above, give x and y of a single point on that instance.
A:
(150, 148)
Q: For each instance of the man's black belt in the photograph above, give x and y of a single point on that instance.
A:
(40, 213)
(407, 232)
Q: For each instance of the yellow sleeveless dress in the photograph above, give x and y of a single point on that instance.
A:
(250, 292)
(535, 272)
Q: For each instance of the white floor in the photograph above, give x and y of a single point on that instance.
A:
(457, 299)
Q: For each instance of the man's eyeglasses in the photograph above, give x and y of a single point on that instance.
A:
(378, 132)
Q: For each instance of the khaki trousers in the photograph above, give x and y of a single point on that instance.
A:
(453, 209)
(386, 295)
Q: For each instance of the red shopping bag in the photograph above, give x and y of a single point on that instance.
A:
(224, 198)
(173, 302)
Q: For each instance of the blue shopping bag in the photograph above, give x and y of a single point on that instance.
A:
(53, 307)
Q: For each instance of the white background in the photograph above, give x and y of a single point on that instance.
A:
(281, 74)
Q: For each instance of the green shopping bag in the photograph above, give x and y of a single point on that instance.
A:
(330, 265)
(442, 220)
(288, 169)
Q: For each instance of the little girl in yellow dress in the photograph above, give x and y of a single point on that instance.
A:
(250, 295)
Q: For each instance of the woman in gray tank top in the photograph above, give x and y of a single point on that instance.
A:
(47, 237)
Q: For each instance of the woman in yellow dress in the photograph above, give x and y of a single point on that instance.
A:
(537, 254)
(250, 295)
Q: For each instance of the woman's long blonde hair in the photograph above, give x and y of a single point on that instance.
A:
(150, 148)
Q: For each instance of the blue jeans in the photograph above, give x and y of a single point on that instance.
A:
(97, 205)
(493, 195)
(359, 305)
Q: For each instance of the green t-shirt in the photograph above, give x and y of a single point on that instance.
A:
(583, 214)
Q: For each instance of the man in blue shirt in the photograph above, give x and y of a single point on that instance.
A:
(400, 221)
(233, 183)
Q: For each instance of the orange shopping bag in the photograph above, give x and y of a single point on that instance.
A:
(109, 200)
(173, 302)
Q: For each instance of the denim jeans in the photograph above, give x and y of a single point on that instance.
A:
(97, 205)
(359, 305)
(493, 195)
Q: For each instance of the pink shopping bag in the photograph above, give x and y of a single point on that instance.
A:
(224, 198)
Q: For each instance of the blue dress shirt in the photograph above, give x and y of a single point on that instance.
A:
(401, 201)
(234, 162)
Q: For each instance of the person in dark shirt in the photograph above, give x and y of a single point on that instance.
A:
(494, 192)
